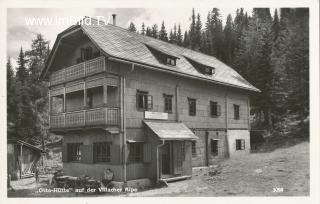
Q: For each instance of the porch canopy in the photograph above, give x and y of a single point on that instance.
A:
(171, 131)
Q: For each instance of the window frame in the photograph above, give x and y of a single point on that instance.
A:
(169, 103)
(101, 158)
(214, 147)
(133, 147)
(147, 102)
(74, 152)
(236, 111)
(194, 148)
(192, 110)
(171, 61)
(216, 105)
(241, 146)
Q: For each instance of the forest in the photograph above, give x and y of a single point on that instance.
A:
(271, 51)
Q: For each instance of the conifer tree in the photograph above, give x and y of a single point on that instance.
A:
(132, 27)
(143, 29)
(163, 33)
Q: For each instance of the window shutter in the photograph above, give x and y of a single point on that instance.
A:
(86, 154)
(150, 102)
(219, 110)
(147, 153)
(115, 154)
(64, 153)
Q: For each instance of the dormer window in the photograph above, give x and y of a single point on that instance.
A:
(171, 61)
(163, 56)
(201, 67)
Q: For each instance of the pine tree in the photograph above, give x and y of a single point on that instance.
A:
(38, 96)
(186, 40)
(154, 31)
(148, 32)
(192, 30)
(132, 27)
(143, 29)
(179, 36)
(229, 41)
(163, 33)
(11, 100)
(25, 119)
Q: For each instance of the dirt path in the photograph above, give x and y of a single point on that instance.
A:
(253, 175)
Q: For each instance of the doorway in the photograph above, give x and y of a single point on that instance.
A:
(172, 158)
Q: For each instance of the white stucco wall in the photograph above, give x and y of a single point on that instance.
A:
(233, 135)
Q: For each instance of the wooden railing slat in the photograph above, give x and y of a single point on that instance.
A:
(91, 117)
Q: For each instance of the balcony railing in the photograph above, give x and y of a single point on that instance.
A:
(85, 118)
(78, 71)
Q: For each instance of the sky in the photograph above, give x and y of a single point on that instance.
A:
(19, 34)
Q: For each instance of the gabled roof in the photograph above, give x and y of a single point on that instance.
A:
(120, 43)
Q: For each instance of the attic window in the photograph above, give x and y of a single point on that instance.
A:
(163, 56)
(171, 61)
(202, 68)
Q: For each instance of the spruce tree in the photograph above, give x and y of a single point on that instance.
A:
(154, 31)
(163, 33)
(132, 27)
(143, 29)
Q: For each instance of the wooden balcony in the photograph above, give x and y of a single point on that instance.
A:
(86, 118)
(78, 71)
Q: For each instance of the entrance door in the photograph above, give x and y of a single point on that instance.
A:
(178, 157)
(165, 157)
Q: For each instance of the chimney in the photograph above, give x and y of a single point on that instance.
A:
(114, 19)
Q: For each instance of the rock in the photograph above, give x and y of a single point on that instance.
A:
(258, 171)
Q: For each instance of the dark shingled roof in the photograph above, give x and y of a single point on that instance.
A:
(120, 43)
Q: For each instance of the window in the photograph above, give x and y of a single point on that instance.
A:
(144, 101)
(73, 151)
(86, 53)
(193, 148)
(215, 109)
(136, 152)
(236, 111)
(101, 152)
(240, 144)
(167, 103)
(208, 70)
(192, 106)
(214, 147)
(171, 61)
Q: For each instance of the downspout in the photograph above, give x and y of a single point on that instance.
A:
(123, 125)
(226, 118)
(177, 103)
(158, 163)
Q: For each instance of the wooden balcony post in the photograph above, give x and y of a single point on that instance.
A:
(64, 99)
(84, 95)
(105, 94)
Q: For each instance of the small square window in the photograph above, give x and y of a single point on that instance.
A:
(240, 144)
(74, 152)
(171, 61)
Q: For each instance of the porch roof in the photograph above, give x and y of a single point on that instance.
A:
(171, 130)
